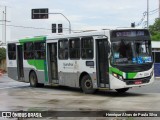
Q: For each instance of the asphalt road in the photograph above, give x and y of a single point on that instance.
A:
(6, 83)
(152, 88)
(20, 96)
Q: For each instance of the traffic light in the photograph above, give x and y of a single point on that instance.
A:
(54, 28)
(40, 13)
(60, 28)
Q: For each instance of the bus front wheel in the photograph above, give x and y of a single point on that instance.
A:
(122, 90)
(86, 85)
(33, 79)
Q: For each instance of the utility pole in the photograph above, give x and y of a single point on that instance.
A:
(5, 20)
(159, 9)
(147, 13)
(4, 24)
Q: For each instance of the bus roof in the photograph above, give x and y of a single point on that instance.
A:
(93, 33)
(79, 34)
(89, 33)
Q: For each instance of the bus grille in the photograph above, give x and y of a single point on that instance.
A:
(132, 81)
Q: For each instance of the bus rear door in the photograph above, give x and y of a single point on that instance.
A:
(52, 63)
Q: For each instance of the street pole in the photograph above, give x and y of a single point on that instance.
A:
(2, 25)
(159, 8)
(147, 13)
(66, 19)
(5, 20)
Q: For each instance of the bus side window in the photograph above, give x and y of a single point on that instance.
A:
(74, 48)
(39, 50)
(28, 50)
(87, 48)
(63, 49)
(12, 51)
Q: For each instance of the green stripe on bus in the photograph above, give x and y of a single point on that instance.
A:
(115, 70)
(38, 64)
(32, 39)
(130, 75)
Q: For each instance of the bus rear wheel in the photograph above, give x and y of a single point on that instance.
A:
(122, 90)
(33, 79)
(86, 85)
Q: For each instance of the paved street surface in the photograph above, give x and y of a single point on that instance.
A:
(20, 96)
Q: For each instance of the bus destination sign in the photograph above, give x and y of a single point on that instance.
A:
(129, 33)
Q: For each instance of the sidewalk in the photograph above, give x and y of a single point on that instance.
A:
(157, 78)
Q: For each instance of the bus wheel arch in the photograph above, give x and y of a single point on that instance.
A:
(85, 83)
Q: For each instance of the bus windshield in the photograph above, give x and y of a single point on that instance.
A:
(131, 52)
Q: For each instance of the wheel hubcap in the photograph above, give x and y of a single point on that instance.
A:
(88, 84)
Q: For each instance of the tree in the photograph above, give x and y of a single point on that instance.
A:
(155, 30)
(2, 54)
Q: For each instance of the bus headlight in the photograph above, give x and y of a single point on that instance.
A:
(117, 76)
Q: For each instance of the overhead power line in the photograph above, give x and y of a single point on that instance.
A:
(142, 19)
(153, 10)
(145, 14)
(25, 27)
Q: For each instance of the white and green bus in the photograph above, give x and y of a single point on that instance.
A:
(116, 59)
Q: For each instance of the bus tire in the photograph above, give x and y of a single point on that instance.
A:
(86, 85)
(33, 79)
(122, 90)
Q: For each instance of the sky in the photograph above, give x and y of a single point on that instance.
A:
(83, 15)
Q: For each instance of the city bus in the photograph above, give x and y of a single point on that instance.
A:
(114, 59)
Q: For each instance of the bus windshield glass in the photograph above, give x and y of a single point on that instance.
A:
(131, 52)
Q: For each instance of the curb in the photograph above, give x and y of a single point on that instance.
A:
(157, 78)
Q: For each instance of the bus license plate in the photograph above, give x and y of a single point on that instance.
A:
(138, 82)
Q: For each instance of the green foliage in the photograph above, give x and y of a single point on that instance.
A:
(155, 30)
(2, 53)
(155, 37)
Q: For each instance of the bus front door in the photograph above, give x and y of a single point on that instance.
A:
(52, 58)
(20, 62)
(102, 62)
